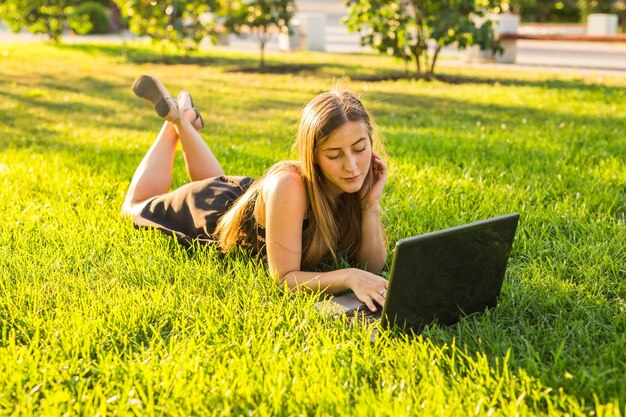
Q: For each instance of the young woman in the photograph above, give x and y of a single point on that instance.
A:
(299, 215)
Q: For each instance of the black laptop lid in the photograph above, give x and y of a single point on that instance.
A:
(439, 276)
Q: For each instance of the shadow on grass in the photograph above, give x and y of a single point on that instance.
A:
(418, 111)
(143, 55)
(249, 64)
(75, 109)
(279, 69)
(78, 113)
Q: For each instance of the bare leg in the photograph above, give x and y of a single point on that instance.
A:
(153, 176)
(199, 160)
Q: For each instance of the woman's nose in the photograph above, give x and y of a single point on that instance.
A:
(349, 163)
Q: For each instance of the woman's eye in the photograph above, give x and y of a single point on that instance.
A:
(333, 156)
(360, 150)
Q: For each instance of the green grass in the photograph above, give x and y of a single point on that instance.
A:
(99, 318)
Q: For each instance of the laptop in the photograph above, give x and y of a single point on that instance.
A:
(441, 276)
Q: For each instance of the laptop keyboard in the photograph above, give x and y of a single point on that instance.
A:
(364, 313)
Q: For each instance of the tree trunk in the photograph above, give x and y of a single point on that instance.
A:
(434, 61)
(262, 61)
(263, 38)
(417, 49)
(417, 54)
(418, 67)
(421, 55)
(418, 64)
(426, 61)
(163, 49)
(422, 44)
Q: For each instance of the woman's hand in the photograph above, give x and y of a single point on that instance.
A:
(368, 287)
(379, 174)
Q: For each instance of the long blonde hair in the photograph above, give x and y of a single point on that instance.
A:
(325, 238)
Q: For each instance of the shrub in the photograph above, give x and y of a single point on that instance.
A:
(98, 16)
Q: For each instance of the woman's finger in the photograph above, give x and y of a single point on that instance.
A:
(381, 165)
(380, 299)
(370, 304)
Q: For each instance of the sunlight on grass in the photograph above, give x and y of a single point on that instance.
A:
(97, 317)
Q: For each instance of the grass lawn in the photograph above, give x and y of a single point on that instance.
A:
(99, 318)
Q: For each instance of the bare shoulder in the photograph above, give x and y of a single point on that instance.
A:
(285, 199)
(283, 184)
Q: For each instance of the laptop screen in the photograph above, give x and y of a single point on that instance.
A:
(441, 275)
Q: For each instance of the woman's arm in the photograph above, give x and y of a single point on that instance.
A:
(373, 251)
(366, 286)
(285, 209)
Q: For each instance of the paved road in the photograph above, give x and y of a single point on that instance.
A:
(573, 54)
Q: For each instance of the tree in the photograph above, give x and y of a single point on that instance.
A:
(620, 9)
(404, 28)
(261, 17)
(182, 23)
(558, 10)
(50, 17)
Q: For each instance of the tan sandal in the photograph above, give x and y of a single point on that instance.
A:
(152, 90)
(185, 104)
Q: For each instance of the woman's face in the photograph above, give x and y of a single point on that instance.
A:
(345, 158)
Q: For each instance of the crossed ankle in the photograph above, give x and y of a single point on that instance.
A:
(190, 115)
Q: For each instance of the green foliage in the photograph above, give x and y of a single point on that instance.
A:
(98, 16)
(105, 3)
(181, 23)
(49, 17)
(553, 11)
(404, 28)
(565, 11)
(263, 18)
